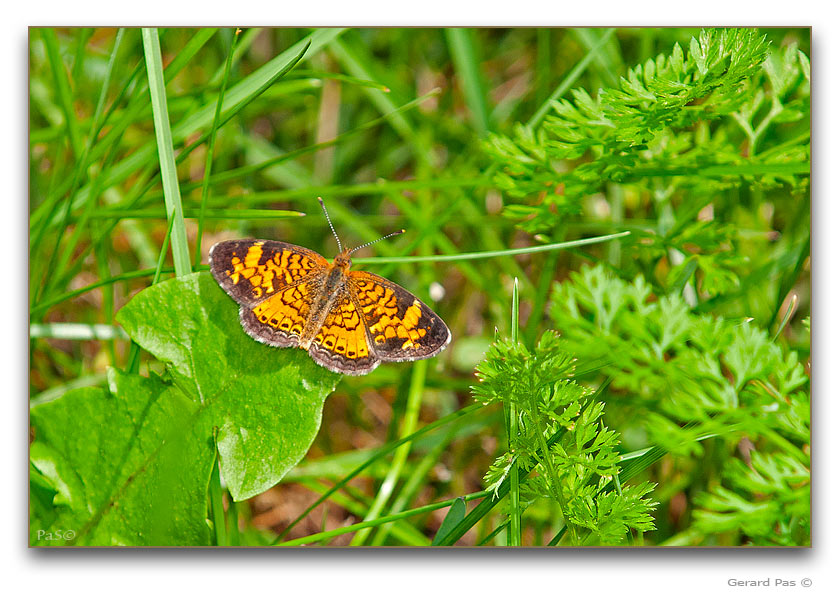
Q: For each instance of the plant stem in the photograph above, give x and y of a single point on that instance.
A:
(515, 530)
(548, 466)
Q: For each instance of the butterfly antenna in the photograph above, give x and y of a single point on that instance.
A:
(364, 245)
(326, 214)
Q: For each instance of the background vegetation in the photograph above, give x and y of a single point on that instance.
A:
(652, 388)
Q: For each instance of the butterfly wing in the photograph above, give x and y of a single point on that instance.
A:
(281, 319)
(251, 270)
(341, 344)
(273, 282)
(400, 326)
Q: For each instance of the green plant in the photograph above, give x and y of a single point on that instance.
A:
(131, 463)
(577, 472)
(697, 383)
(670, 137)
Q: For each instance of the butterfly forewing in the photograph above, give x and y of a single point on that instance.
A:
(251, 271)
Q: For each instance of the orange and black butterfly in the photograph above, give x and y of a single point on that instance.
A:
(349, 321)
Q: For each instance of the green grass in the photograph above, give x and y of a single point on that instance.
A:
(621, 187)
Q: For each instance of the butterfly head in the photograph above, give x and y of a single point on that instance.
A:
(342, 260)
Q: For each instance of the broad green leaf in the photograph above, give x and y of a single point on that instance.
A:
(265, 402)
(124, 466)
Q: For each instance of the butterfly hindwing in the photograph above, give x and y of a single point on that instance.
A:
(401, 327)
(342, 343)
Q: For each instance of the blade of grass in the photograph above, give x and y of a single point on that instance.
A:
(384, 451)
(335, 191)
(36, 272)
(49, 263)
(789, 279)
(211, 145)
(455, 514)
(135, 109)
(83, 35)
(233, 523)
(319, 74)
(356, 59)
(357, 505)
(103, 263)
(243, 45)
(72, 331)
(192, 213)
(543, 288)
(239, 172)
(462, 47)
(84, 381)
(379, 521)
(182, 155)
(512, 417)
(608, 61)
(163, 134)
(41, 307)
(238, 96)
(60, 258)
(788, 314)
(134, 350)
(62, 89)
(217, 508)
(414, 483)
(495, 253)
(256, 83)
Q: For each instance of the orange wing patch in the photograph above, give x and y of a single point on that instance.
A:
(287, 311)
(342, 341)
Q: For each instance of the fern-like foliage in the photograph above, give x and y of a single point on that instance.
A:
(689, 377)
(560, 435)
(776, 485)
(683, 132)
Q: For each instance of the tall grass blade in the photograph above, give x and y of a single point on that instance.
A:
(462, 46)
(163, 134)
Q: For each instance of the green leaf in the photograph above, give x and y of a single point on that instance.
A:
(455, 514)
(265, 402)
(126, 465)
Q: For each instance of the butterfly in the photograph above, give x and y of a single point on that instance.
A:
(349, 321)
